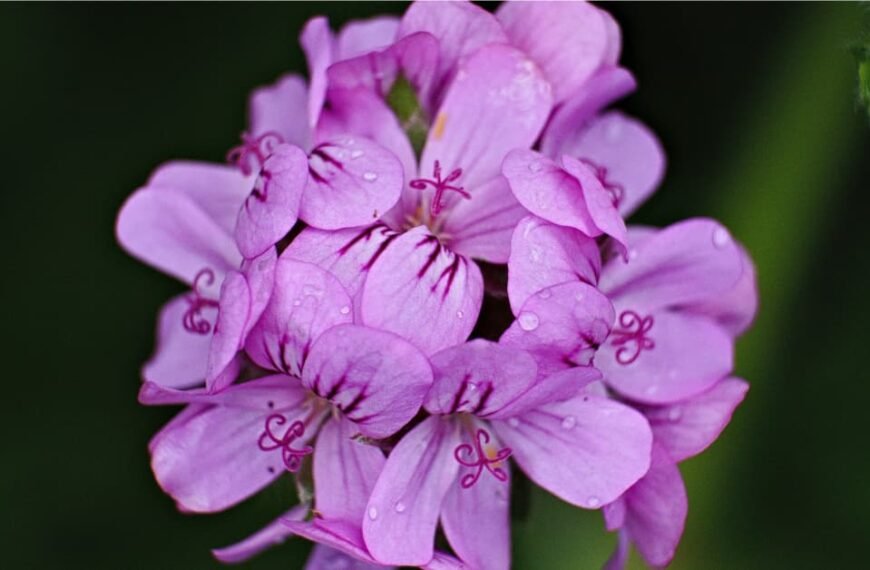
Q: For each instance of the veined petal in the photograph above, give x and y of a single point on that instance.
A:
(476, 522)
(271, 209)
(271, 535)
(422, 291)
(562, 326)
(686, 263)
(353, 181)
(167, 230)
(663, 357)
(179, 361)
(377, 379)
(275, 392)
(629, 154)
(340, 535)
(599, 201)
(498, 101)
(306, 302)
(587, 450)
(687, 428)
(556, 387)
(569, 40)
(217, 189)
(478, 377)
(319, 47)
(544, 254)
(481, 227)
(345, 471)
(402, 513)
(229, 330)
(275, 108)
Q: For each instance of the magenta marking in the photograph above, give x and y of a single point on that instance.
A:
(441, 186)
(193, 320)
(476, 458)
(631, 337)
(268, 441)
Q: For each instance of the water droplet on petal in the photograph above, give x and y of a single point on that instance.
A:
(675, 413)
(370, 176)
(400, 507)
(513, 422)
(545, 294)
(721, 237)
(528, 321)
(569, 422)
(593, 502)
(297, 302)
(356, 153)
(344, 310)
(632, 254)
(536, 166)
(373, 513)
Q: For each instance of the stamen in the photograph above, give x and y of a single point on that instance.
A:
(616, 191)
(479, 456)
(440, 185)
(193, 320)
(631, 338)
(268, 441)
(253, 149)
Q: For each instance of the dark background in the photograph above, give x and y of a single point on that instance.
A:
(755, 104)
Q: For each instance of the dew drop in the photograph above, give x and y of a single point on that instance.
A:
(513, 422)
(675, 413)
(373, 513)
(400, 507)
(356, 154)
(297, 302)
(721, 237)
(569, 422)
(536, 166)
(460, 314)
(632, 254)
(344, 310)
(528, 321)
(370, 176)
(593, 502)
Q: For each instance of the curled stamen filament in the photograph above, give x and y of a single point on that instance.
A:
(193, 320)
(440, 185)
(256, 148)
(269, 441)
(631, 338)
(477, 458)
(616, 191)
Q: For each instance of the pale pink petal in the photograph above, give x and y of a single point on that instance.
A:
(734, 310)
(377, 379)
(318, 44)
(569, 40)
(587, 450)
(423, 291)
(229, 331)
(556, 387)
(619, 559)
(614, 39)
(273, 534)
(442, 561)
(278, 108)
(353, 181)
(179, 361)
(599, 201)
(402, 513)
(346, 537)
(362, 36)
(544, 254)
(271, 209)
(306, 302)
(326, 558)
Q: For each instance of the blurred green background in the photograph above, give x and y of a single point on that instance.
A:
(756, 106)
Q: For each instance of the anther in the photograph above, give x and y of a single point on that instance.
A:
(441, 186)
(193, 320)
(269, 441)
(631, 337)
(481, 455)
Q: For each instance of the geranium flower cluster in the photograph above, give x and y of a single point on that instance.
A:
(413, 280)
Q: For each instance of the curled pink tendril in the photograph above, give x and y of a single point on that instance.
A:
(260, 191)
(269, 441)
(440, 185)
(193, 320)
(256, 148)
(631, 337)
(477, 458)
(616, 191)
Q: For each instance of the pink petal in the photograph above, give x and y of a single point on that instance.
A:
(586, 451)
(319, 47)
(399, 526)
(556, 387)
(629, 151)
(471, 130)
(476, 522)
(423, 291)
(345, 471)
(362, 36)
(353, 181)
(275, 108)
(275, 392)
(562, 326)
(271, 209)
(306, 302)
(276, 532)
(167, 230)
(324, 557)
(569, 40)
(687, 263)
(619, 559)
(233, 317)
(598, 200)
(734, 310)
(442, 561)
(544, 254)
(377, 379)
(687, 428)
(217, 189)
(614, 38)
(481, 227)
(478, 377)
(687, 356)
(179, 361)
(338, 535)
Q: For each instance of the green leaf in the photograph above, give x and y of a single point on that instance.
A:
(403, 100)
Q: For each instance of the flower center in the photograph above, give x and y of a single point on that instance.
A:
(479, 456)
(193, 320)
(270, 441)
(251, 154)
(441, 185)
(616, 191)
(631, 336)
